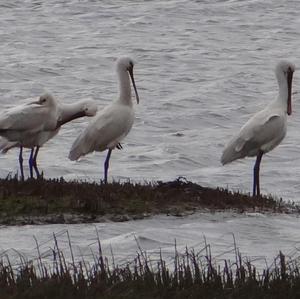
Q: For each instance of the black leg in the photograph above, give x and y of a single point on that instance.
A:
(119, 146)
(106, 165)
(256, 187)
(21, 163)
(254, 181)
(31, 163)
(34, 164)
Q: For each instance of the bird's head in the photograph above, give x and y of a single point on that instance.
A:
(125, 63)
(284, 73)
(90, 108)
(285, 67)
(46, 100)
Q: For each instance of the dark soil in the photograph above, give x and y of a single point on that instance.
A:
(58, 201)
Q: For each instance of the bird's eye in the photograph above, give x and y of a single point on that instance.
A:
(130, 65)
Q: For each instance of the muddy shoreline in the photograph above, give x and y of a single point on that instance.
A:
(54, 201)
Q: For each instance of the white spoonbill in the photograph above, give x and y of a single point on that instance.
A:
(113, 123)
(267, 128)
(65, 113)
(17, 124)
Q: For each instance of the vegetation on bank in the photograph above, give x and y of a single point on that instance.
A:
(192, 275)
(59, 201)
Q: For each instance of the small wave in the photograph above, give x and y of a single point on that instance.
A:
(49, 71)
(145, 242)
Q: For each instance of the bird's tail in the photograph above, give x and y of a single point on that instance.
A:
(77, 149)
(6, 145)
(74, 153)
(232, 151)
(228, 156)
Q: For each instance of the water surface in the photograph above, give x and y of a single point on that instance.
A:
(203, 67)
(258, 238)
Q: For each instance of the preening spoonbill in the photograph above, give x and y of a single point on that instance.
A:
(65, 113)
(17, 124)
(267, 128)
(113, 123)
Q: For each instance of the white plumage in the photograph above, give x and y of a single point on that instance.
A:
(267, 128)
(105, 131)
(65, 113)
(17, 123)
(37, 138)
(113, 123)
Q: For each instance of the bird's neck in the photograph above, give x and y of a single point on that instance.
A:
(69, 112)
(283, 93)
(124, 88)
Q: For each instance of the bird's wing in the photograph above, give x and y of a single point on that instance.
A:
(86, 142)
(104, 131)
(23, 117)
(257, 134)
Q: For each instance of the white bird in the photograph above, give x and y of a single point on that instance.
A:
(65, 113)
(17, 124)
(113, 123)
(267, 128)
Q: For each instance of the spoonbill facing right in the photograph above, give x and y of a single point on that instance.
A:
(113, 123)
(266, 129)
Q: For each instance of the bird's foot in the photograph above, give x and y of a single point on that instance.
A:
(119, 146)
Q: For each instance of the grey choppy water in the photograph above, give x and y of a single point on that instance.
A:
(203, 68)
(258, 237)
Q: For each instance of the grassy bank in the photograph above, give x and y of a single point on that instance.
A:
(58, 201)
(193, 275)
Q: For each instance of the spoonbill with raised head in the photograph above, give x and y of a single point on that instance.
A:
(266, 129)
(113, 123)
(35, 140)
